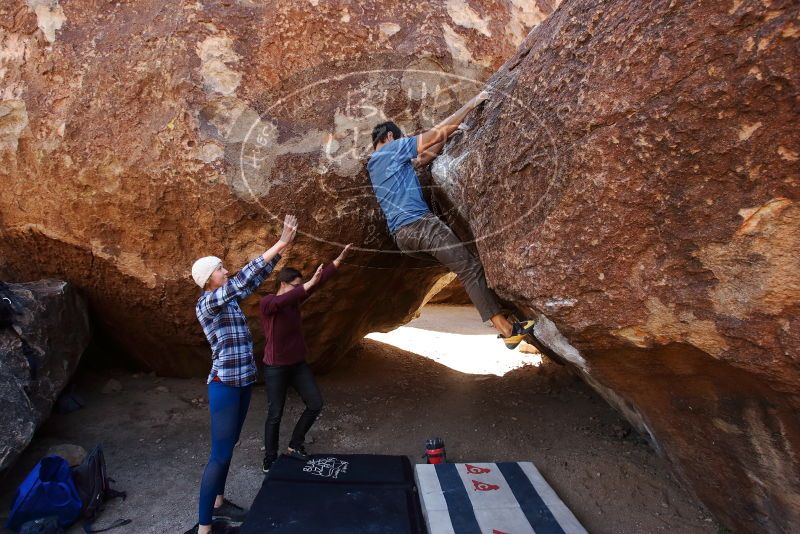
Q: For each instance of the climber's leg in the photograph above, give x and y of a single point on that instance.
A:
(430, 236)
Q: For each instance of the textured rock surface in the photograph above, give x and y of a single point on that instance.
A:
(452, 293)
(634, 180)
(134, 139)
(55, 326)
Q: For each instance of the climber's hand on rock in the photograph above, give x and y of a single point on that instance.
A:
(480, 98)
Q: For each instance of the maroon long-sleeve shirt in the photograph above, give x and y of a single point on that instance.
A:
(280, 318)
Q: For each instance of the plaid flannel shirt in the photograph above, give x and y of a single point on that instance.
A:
(225, 326)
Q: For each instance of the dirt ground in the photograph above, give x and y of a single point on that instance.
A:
(381, 400)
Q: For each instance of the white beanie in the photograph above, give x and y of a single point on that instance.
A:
(203, 268)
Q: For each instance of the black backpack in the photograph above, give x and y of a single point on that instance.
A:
(94, 489)
(9, 307)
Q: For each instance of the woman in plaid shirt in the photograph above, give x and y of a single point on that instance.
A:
(233, 369)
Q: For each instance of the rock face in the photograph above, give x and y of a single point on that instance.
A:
(38, 356)
(452, 293)
(634, 181)
(134, 140)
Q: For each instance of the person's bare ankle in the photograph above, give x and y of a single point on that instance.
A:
(505, 328)
(502, 325)
(204, 529)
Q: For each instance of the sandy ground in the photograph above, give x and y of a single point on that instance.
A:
(383, 400)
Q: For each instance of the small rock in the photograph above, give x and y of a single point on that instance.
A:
(159, 440)
(73, 454)
(112, 386)
(162, 389)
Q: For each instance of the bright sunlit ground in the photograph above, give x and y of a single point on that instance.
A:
(455, 336)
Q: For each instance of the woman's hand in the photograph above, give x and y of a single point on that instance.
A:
(287, 236)
(314, 279)
(342, 255)
(289, 230)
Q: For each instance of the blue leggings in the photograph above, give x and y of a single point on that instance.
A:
(228, 406)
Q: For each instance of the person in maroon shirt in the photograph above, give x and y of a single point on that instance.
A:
(285, 357)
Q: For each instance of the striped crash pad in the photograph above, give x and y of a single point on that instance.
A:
(508, 497)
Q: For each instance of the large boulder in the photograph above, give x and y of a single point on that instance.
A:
(38, 356)
(634, 182)
(134, 139)
(452, 292)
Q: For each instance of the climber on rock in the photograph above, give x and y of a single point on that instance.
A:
(285, 357)
(233, 370)
(416, 230)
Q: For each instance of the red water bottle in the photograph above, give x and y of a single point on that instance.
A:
(434, 451)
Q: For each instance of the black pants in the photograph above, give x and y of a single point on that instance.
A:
(278, 379)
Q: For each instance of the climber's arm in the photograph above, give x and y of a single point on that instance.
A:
(443, 130)
(426, 157)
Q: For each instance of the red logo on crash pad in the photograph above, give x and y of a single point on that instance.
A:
(477, 470)
(495, 531)
(483, 486)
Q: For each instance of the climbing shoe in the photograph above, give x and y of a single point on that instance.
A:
(229, 511)
(268, 461)
(298, 453)
(519, 329)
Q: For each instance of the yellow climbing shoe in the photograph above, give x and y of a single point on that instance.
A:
(519, 329)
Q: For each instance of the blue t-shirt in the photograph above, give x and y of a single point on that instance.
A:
(396, 184)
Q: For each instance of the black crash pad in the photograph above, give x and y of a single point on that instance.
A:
(337, 493)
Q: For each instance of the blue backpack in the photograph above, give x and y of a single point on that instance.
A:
(48, 490)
